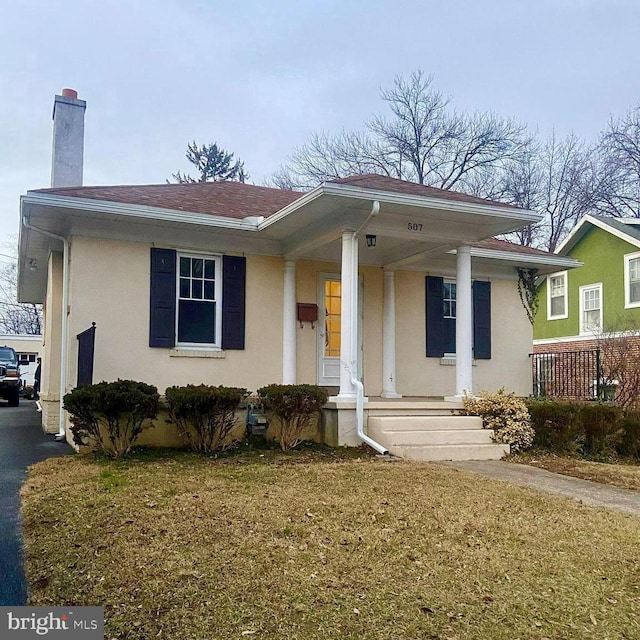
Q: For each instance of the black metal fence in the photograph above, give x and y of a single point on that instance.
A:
(567, 374)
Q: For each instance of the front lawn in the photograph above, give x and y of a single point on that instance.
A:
(625, 476)
(280, 546)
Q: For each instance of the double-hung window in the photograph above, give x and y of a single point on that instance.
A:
(632, 280)
(449, 316)
(198, 314)
(591, 308)
(557, 307)
(196, 300)
(442, 314)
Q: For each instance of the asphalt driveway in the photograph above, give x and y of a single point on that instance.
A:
(22, 443)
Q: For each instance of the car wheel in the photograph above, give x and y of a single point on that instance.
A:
(14, 398)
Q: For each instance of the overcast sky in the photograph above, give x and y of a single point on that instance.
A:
(260, 77)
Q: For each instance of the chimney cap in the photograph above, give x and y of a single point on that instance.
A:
(70, 93)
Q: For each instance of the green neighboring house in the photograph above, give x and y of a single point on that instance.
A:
(578, 306)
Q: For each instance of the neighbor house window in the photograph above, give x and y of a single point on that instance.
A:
(198, 315)
(632, 280)
(591, 308)
(557, 296)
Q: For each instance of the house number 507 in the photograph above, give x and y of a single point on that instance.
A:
(414, 226)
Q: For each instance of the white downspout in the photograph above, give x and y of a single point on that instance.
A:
(65, 323)
(354, 339)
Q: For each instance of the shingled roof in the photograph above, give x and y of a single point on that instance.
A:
(238, 200)
(225, 198)
(394, 185)
(495, 244)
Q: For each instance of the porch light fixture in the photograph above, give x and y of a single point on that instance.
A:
(371, 240)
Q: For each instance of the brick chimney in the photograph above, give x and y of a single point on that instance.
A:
(68, 140)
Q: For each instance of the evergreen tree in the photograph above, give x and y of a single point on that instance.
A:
(213, 164)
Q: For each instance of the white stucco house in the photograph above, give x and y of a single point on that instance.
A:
(394, 295)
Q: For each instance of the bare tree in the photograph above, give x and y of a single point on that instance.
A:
(327, 157)
(16, 318)
(619, 348)
(421, 140)
(554, 179)
(618, 167)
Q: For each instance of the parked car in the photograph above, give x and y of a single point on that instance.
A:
(10, 381)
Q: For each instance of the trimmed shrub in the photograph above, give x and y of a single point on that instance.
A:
(556, 425)
(294, 405)
(506, 414)
(629, 444)
(205, 415)
(602, 427)
(584, 428)
(109, 416)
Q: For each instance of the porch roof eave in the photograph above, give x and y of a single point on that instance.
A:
(412, 225)
(543, 263)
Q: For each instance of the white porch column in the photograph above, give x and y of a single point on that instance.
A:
(464, 323)
(347, 388)
(389, 337)
(289, 324)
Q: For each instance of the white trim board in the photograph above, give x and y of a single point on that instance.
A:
(568, 243)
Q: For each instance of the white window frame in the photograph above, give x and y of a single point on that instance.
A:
(450, 355)
(563, 316)
(627, 280)
(217, 345)
(589, 287)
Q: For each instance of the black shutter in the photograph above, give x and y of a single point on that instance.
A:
(434, 314)
(482, 320)
(234, 276)
(86, 345)
(162, 318)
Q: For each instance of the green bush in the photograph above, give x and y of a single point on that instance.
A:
(294, 405)
(584, 428)
(556, 425)
(629, 444)
(506, 414)
(602, 427)
(109, 416)
(205, 415)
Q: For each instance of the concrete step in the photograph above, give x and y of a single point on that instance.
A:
(384, 424)
(451, 452)
(429, 437)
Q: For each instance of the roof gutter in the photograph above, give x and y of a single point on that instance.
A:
(64, 320)
(155, 214)
(496, 254)
(392, 197)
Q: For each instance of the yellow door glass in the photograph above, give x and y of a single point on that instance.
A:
(332, 318)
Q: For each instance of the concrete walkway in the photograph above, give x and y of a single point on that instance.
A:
(587, 492)
(22, 443)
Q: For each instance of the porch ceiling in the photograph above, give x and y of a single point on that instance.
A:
(407, 229)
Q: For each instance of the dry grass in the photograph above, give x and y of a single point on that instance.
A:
(625, 476)
(185, 547)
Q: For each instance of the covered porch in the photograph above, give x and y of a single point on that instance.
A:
(356, 226)
(396, 233)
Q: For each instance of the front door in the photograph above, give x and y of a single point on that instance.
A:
(329, 331)
(330, 290)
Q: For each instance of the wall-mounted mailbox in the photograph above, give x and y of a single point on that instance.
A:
(307, 312)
